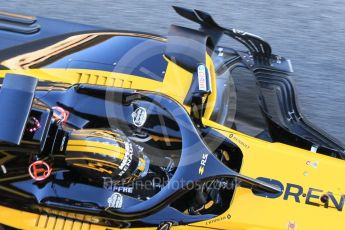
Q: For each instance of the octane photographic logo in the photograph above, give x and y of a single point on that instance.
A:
(133, 60)
(112, 185)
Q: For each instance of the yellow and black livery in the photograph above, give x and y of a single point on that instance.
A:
(165, 115)
(105, 153)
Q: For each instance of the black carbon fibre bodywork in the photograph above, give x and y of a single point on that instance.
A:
(18, 29)
(63, 189)
(175, 140)
(107, 51)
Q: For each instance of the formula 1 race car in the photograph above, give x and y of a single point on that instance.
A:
(103, 129)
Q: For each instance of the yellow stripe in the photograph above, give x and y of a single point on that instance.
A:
(96, 147)
(92, 159)
(98, 136)
(96, 130)
(104, 163)
(73, 76)
(101, 170)
(96, 150)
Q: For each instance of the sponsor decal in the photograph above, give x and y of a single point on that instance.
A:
(202, 78)
(309, 196)
(218, 219)
(139, 117)
(115, 201)
(123, 189)
(239, 141)
(203, 163)
(127, 159)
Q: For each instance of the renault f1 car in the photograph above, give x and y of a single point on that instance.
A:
(103, 129)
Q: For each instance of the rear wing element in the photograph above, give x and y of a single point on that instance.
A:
(277, 97)
(256, 45)
(16, 97)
